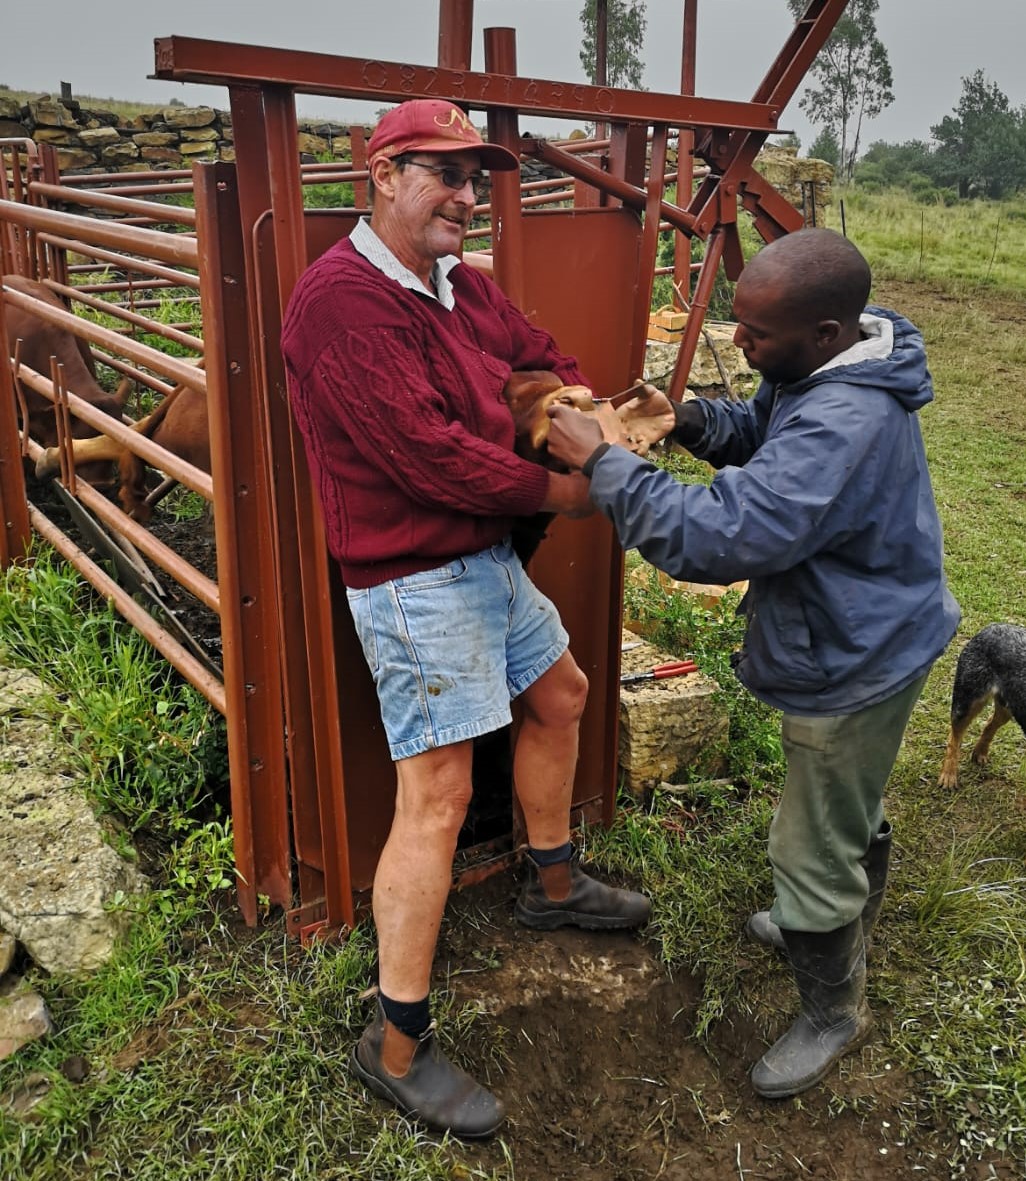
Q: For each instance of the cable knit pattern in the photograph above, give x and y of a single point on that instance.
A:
(400, 405)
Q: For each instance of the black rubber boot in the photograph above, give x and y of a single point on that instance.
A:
(433, 1090)
(830, 972)
(763, 929)
(590, 904)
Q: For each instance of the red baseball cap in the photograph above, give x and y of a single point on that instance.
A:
(434, 125)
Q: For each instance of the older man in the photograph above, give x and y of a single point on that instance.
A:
(823, 501)
(397, 356)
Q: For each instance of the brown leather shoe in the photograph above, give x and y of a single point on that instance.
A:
(590, 904)
(433, 1090)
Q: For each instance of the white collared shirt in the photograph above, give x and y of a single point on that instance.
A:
(366, 242)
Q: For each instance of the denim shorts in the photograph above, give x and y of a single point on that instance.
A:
(450, 648)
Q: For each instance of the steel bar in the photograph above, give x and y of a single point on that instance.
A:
(15, 531)
(192, 59)
(737, 154)
(123, 286)
(693, 325)
(630, 195)
(87, 180)
(128, 264)
(62, 420)
(169, 248)
(137, 375)
(19, 392)
(161, 639)
(507, 227)
(316, 765)
(142, 354)
(649, 251)
(154, 327)
(245, 526)
(455, 33)
(116, 202)
(685, 150)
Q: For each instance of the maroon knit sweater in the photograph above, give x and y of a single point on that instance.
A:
(399, 401)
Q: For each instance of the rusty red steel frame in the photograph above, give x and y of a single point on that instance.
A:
(312, 785)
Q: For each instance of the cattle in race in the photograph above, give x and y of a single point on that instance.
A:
(35, 341)
(179, 425)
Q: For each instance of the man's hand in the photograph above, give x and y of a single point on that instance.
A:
(646, 419)
(573, 436)
(569, 494)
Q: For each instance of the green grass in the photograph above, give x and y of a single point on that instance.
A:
(148, 747)
(126, 108)
(197, 1029)
(967, 247)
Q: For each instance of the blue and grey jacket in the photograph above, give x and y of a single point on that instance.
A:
(822, 500)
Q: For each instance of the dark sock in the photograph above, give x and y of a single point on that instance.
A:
(543, 858)
(409, 1017)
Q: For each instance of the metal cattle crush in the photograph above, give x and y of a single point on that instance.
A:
(312, 786)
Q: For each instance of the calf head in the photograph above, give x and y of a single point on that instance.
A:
(529, 393)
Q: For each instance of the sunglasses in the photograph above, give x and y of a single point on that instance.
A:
(452, 178)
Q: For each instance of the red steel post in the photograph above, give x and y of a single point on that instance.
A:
(685, 154)
(455, 33)
(15, 529)
(507, 230)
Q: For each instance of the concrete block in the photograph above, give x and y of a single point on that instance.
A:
(668, 727)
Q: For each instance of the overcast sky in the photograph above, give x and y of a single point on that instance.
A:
(104, 48)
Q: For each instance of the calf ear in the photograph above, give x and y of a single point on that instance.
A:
(523, 389)
(122, 392)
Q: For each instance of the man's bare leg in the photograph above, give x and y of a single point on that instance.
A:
(545, 760)
(413, 877)
(543, 766)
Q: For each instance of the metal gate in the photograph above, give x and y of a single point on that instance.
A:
(311, 780)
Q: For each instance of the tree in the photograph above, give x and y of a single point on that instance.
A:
(787, 140)
(625, 35)
(825, 147)
(851, 78)
(981, 147)
(911, 165)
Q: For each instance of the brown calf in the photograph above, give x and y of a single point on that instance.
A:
(36, 341)
(179, 425)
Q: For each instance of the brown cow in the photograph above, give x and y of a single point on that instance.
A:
(179, 425)
(39, 341)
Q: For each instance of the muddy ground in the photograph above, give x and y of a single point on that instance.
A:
(605, 1080)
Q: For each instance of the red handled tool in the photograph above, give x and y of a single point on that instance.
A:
(672, 668)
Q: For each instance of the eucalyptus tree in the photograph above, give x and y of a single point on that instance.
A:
(626, 21)
(850, 81)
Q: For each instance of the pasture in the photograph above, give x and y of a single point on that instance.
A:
(216, 1051)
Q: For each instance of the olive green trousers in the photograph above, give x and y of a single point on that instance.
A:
(831, 808)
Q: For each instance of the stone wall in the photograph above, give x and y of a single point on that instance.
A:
(805, 182)
(99, 141)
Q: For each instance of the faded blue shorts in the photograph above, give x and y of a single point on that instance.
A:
(450, 648)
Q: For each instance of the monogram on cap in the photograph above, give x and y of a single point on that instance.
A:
(434, 125)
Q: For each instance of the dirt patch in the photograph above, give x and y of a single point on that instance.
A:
(604, 1079)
